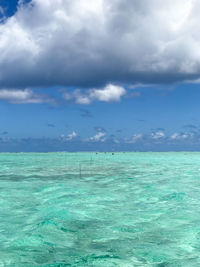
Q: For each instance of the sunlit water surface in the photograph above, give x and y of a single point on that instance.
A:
(88, 209)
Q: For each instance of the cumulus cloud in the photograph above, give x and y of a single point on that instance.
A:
(72, 135)
(182, 136)
(99, 137)
(157, 135)
(26, 96)
(109, 93)
(135, 138)
(92, 43)
(69, 137)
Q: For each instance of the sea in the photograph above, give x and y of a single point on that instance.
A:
(100, 209)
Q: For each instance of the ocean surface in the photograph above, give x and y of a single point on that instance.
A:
(88, 209)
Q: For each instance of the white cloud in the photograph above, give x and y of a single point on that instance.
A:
(26, 96)
(175, 136)
(87, 42)
(98, 137)
(135, 138)
(69, 137)
(157, 135)
(182, 136)
(77, 96)
(108, 93)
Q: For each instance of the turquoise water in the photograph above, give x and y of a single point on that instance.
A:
(87, 209)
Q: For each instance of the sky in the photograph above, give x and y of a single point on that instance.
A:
(100, 75)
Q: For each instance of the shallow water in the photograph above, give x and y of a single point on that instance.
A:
(87, 209)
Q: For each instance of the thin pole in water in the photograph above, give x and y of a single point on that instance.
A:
(80, 170)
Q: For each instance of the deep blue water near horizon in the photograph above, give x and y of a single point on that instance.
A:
(88, 209)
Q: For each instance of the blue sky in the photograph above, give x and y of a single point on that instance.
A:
(67, 84)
